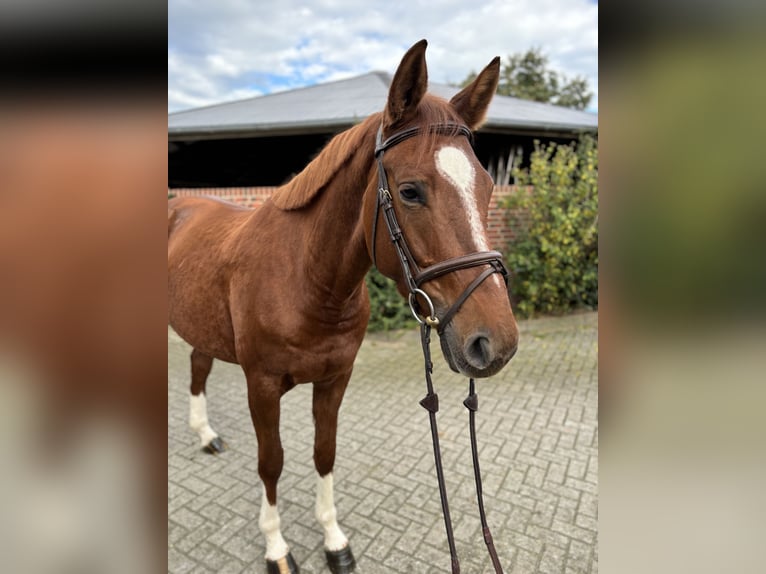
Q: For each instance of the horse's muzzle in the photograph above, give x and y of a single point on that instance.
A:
(479, 355)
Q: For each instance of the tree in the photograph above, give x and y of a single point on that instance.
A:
(528, 77)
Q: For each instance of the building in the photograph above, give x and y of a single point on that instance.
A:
(263, 141)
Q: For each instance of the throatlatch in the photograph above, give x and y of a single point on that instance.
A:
(415, 277)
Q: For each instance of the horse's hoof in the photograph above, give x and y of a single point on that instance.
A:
(215, 446)
(340, 561)
(284, 565)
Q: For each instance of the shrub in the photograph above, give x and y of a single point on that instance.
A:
(388, 310)
(553, 258)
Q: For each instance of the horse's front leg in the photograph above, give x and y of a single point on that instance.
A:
(200, 369)
(263, 398)
(327, 399)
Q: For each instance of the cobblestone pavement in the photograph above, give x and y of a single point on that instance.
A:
(538, 439)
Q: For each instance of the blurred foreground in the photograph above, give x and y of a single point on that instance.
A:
(82, 289)
(682, 284)
(82, 321)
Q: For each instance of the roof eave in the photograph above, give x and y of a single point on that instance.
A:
(542, 125)
(260, 130)
(551, 129)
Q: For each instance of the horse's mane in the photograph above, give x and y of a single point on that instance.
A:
(308, 184)
(305, 186)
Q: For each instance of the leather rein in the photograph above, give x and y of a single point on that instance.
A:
(415, 278)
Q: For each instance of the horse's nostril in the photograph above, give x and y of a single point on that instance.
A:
(478, 351)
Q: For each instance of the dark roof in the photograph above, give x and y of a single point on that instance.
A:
(338, 105)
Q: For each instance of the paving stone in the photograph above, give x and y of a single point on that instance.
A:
(537, 431)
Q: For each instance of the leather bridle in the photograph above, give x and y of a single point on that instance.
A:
(415, 277)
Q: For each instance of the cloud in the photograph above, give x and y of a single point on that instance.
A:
(218, 51)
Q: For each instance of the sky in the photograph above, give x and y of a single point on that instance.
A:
(226, 50)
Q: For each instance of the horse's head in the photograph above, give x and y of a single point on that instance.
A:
(439, 196)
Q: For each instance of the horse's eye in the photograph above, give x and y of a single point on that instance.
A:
(410, 193)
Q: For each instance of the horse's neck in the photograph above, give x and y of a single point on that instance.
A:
(337, 254)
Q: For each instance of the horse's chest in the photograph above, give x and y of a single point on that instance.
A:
(305, 354)
(323, 360)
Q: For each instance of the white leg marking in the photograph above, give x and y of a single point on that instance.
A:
(334, 539)
(269, 523)
(198, 419)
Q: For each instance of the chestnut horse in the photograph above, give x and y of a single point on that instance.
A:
(280, 290)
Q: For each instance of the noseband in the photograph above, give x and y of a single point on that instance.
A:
(415, 277)
(413, 274)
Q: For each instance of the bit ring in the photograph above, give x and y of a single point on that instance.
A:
(431, 320)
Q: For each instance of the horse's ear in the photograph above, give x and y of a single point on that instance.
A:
(472, 102)
(408, 86)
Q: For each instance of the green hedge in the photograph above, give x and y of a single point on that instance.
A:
(388, 310)
(554, 257)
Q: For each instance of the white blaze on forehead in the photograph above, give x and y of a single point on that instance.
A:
(456, 168)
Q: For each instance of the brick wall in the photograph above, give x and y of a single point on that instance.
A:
(247, 196)
(497, 226)
(498, 229)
